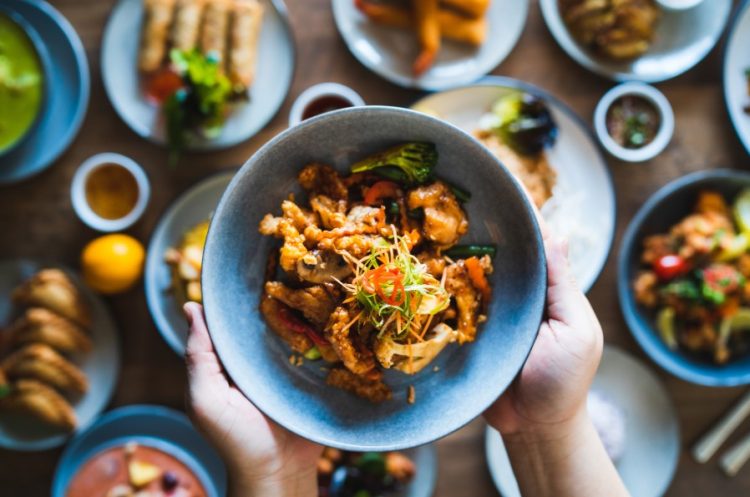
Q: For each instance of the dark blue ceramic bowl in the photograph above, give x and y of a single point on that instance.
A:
(664, 209)
(469, 378)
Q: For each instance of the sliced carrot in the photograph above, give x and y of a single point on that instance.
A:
(478, 278)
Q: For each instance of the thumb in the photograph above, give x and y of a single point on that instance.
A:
(202, 363)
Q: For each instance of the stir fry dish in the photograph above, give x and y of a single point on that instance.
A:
(616, 29)
(517, 131)
(368, 474)
(196, 58)
(463, 21)
(38, 376)
(372, 277)
(695, 279)
(186, 261)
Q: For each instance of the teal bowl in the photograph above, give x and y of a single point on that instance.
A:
(665, 208)
(469, 378)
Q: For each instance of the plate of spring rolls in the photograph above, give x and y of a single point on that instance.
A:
(430, 44)
(197, 74)
(59, 355)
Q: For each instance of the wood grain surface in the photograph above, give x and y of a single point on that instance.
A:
(37, 220)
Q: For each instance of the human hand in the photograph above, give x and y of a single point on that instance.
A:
(262, 457)
(551, 390)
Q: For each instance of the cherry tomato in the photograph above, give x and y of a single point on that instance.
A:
(162, 85)
(379, 191)
(297, 325)
(670, 266)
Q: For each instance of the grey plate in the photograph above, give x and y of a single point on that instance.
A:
(469, 379)
(652, 446)
(583, 207)
(101, 365)
(154, 426)
(682, 39)
(274, 72)
(390, 52)
(736, 62)
(66, 95)
(195, 205)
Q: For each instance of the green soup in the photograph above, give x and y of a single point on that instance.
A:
(21, 82)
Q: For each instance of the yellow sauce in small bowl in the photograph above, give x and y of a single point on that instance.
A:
(111, 191)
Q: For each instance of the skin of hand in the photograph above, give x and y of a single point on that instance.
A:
(553, 446)
(262, 458)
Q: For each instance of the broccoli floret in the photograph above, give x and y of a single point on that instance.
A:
(409, 163)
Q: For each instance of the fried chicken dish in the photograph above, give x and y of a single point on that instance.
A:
(371, 277)
(37, 374)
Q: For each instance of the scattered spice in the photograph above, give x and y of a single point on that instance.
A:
(411, 396)
(633, 121)
(111, 191)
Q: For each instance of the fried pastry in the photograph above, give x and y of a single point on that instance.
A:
(44, 326)
(42, 402)
(40, 362)
(51, 288)
(244, 34)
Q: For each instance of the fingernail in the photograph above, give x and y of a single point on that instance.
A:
(188, 314)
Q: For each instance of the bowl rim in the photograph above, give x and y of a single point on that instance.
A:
(737, 15)
(538, 314)
(663, 135)
(78, 192)
(43, 57)
(646, 336)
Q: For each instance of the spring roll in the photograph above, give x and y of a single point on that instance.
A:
(215, 28)
(247, 17)
(157, 18)
(472, 8)
(452, 26)
(187, 24)
(428, 33)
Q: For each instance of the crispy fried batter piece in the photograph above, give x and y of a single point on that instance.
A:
(314, 302)
(459, 285)
(271, 309)
(41, 362)
(41, 401)
(44, 326)
(372, 390)
(357, 358)
(51, 288)
(322, 179)
(444, 219)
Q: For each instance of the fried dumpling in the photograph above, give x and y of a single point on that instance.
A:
(51, 288)
(42, 402)
(40, 362)
(44, 326)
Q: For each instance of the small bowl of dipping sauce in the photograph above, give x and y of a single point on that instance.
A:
(110, 192)
(634, 122)
(322, 98)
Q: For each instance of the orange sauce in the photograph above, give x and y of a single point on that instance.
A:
(111, 191)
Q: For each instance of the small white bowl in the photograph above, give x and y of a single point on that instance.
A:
(322, 90)
(81, 205)
(678, 4)
(663, 136)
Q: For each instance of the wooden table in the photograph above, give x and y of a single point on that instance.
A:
(37, 220)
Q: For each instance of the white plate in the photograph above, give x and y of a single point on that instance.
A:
(584, 195)
(390, 52)
(101, 365)
(682, 39)
(736, 61)
(192, 207)
(652, 446)
(274, 72)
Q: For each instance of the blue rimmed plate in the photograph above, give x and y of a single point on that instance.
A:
(736, 64)
(153, 426)
(583, 206)
(274, 72)
(390, 52)
(66, 95)
(192, 207)
(101, 365)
